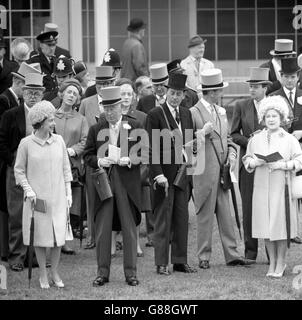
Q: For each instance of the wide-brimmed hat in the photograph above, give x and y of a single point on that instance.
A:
(283, 47)
(34, 81)
(159, 73)
(289, 65)
(211, 79)
(63, 66)
(104, 73)
(111, 96)
(196, 41)
(136, 24)
(174, 66)
(49, 34)
(259, 76)
(177, 81)
(112, 58)
(25, 68)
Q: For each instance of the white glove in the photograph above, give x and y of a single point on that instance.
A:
(69, 201)
(256, 163)
(71, 152)
(208, 127)
(278, 165)
(68, 194)
(105, 162)
(124, 161)
(31, 196)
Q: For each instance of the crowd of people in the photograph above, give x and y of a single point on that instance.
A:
(100, 148)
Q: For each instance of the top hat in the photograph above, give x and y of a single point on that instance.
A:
(79, 68)
(211, 79)
(195, 41)
(159, 73)
(111, 96)
(34, 81)
(136, 24)
(49, 34)
(112, 58)
(174, 66)
(104, 73)
(25, 68)
(63, 66)
(259, 76)
(289, 65)
(177, 81)
(283, 47)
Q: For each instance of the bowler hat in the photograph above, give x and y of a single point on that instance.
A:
(174, 66)
(159, 73)
(111, 95)
(283, 47)
(34, 81)
(25, 68)
(259, 76)
(49, 34)
(177, 81)
(104, 73)
(63, 66)
(195, 41)
(136, 24)
(289, 65)
(211, 79)
(112, 58)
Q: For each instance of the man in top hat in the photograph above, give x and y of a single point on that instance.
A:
(20, 49)
(244, 124)
(6, 66)
(124, 179)
(14, 126)
(134, 58)
(209, 197)
(290, 72)
(195, 63)
(92, 108)
(170, 203)
(283, 49)
(159, 78)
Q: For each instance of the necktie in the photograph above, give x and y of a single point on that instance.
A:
(213, 112)
(177, 118)
(291, 98)
(197, 64)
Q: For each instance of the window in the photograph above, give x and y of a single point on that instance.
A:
(25, 18)
(88, 31)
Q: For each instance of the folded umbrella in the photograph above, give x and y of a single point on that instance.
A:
(287, 210)
(31, 244)
(234, 200)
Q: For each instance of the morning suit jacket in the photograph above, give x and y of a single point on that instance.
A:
(297, 112)
(90, 109)
(90, 91)
(272, 77)
(156, 120)
(5, 75)
(130, 177)
(7, 101)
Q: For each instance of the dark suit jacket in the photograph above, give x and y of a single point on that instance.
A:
(91, 91)
(61, 51)
(6, 76)
(272, 77)
(7, 101)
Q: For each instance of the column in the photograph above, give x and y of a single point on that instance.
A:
(101, 19)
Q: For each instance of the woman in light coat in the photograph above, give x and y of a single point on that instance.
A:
(73, 127)
(43, 170)
(269, 215)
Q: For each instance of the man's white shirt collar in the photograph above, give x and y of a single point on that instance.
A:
(288, 91)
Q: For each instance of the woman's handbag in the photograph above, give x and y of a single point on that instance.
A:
(69, 234)
(297, 187)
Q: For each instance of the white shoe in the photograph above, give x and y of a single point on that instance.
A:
(270, 274)
(58, 284)
(43, 285)
(279, 275)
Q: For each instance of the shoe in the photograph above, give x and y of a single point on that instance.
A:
(140, 254)
(183, 267)
(270, 274)
(240, 262)
(89, 246)
(17, 267)
(59, 284)
(164, 270)
(132, 281)
(100, 281)
(297, 240)
(279, 275)
(204, 264)
(44, 285)
(66, 250)
(149, 244)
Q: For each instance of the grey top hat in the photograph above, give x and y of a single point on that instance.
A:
(283, 47)
(159, 73)
(104, 73)
(111, 95)
(211, 79)
(259, 76)
(25, 68)
(34, 81)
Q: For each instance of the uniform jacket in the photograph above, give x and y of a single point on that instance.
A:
(5, 75)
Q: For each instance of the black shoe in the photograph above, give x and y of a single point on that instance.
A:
(17, 267)
(240, 262)
(100, 281)
(66, 250)
(132, 281)
(297, 240)
(89, 246)
(164, 270)
(183, 267)
(204, 264)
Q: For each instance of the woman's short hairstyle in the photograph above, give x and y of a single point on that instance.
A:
(277, 103)
(70, 82)
(122, 81)
(40, 112)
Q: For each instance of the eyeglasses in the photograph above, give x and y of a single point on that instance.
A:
(35, 94)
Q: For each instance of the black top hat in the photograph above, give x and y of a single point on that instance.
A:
(63, 66)
(136, 24)
(177, 81)
(289, 65)
(112, 58)
(174, 66)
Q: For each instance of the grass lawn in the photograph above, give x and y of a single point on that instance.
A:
(219, 282)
